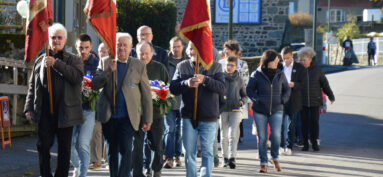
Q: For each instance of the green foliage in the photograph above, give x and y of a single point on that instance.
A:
(301, 19)
(348, 29)
(159, 15)
(10, 41)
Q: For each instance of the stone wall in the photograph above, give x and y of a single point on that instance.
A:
(254, 38)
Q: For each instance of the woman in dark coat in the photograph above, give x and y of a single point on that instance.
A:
(312, 97)
(269, 90)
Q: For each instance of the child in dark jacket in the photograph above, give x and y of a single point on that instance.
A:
(234, 98)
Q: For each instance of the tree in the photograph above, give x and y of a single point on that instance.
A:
(348, 29)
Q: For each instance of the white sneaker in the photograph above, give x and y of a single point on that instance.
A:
(288, 151)
(281, 151)
(75, 172)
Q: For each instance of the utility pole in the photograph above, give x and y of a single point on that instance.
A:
(328, 30)
(230, 20)
(314, 25)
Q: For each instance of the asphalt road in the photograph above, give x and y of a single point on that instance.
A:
(351, 134)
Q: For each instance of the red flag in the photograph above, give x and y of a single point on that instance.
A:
(102, 16)
(36, 37)
(196, 28)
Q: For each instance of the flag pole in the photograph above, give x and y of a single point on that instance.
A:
(49, 80)
(114, 91)
(195, 123)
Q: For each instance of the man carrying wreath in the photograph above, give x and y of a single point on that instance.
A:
(154, 138)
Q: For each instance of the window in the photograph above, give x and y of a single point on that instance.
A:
(291, 8)
(337, 15)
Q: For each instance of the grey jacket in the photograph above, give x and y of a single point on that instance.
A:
(172, 69)
(135, 88)
(70, 108)
(235, 95)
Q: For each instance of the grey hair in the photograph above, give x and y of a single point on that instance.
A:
(142, 27)
(101, 46)
(142, 43)
(125, 35)
(58, 27)
(306, 52)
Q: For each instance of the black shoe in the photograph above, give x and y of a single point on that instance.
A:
(199, 153)
(232, 163)
(305, 148)
(148, 173)
(216, 161)
(316, 148)
(225, 162)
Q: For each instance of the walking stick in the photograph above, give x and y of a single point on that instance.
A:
(194, 121)
(49, 80)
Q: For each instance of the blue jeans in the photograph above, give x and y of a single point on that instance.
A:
(207, 132)
(80, 150)
(173, 143)
(275, 121)
(119, 136)
(285, 129)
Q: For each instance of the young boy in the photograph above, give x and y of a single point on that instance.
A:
(234, 98)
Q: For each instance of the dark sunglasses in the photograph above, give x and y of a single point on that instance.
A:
(56, 37)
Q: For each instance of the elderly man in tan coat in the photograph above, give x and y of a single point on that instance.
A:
(133, 98)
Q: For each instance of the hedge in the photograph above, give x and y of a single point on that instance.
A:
(17, 39)
(160, 16)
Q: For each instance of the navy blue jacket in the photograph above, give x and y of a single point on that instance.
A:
(208, 92)
(268, 96)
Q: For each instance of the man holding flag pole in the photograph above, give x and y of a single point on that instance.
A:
(54, 90)
(200, 87)
(125, 103)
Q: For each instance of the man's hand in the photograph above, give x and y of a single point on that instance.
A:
(30, 115)
(112, 66)
(201, 78)
(146, 126)
(196, 80)
(332, 101)
(49, 61)
(291, 84)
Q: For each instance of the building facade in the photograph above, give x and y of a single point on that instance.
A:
(254, 38)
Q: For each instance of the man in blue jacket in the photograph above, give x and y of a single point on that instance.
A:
(210, 84)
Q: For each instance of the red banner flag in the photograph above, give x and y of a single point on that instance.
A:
(196, 28)
(36, 37)
(102, 16)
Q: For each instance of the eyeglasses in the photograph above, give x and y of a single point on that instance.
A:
(230, 65)
(56, 37)
(145, 34)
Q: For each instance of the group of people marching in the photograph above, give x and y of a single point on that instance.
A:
(140, 139)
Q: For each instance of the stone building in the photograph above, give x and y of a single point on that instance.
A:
(254, 38)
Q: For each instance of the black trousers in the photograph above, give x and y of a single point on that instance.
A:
(310, 120)
(47, 130)
(156, 144)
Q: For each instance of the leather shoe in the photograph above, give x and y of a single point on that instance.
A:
(276, 164)
(263, 169)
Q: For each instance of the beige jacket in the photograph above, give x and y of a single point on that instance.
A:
(135, 88)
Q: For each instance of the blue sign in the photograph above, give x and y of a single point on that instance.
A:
(244, 11)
